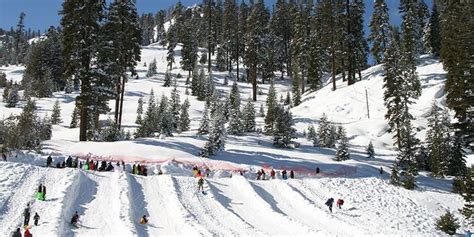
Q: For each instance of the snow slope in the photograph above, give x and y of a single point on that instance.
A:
(111, 204)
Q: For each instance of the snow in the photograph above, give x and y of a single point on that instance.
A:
(111, 203)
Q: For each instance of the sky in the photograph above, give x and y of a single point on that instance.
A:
(40, 14)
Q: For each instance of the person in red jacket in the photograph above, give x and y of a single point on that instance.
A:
(339, 203)
(272, 174)
(27, 233)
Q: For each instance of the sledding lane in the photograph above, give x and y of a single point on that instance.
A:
(167, 215)
(103, 215)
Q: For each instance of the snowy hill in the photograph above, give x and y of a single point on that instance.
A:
(111, 203)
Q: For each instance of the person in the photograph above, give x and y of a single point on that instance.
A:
(36, 217)
(58, 165)
(283, 174)
(4, 157)
(39, 194)
(76, 162)
(43, 193)
(123, 165)
(133, 169)
(160, 172)
(92, 165)
(110, 167)
(103, 165)
(381, 171)
(86, 166)
(201, 184)
(468, 233)
(208, 172)
(292, 174)
(317, 170)
(259, 174)
(272, 174)
(143, 220)
(263, 174)
(75, 219)
(69, 162)
(63, 165)
(17, 233)
(329, 203)
(26, 214)
(49, 160)
(339, 203)
(27, 233)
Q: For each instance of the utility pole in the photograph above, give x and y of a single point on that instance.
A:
(367, 101)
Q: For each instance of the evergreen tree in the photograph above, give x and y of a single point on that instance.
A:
(175, 106)
(69, 88)
(189, 52)
(409, 181)
(261, 111)
(151, 68)
(236, 126)
(283, 131)
(394, 176)
(438, 146)
(201, 86)
(204, 125)
(434, 32)
(74, 118)
(468, 195)
(456, 164)
(56, 115)
(235, 96)
(457, 57)
(81, 28)
(13, 97)
(312, 135)
(217, 136)
(296, 83)
(139, 111)
(370, 150)
(326, 133)
(167, 81)
(195, 83)
(342, 152)
(184, 121)
(248, 116)
(172, 41)
(149, 122)
(6, 91)
(447, 223)
(316, 64)
(379, 30)
(271, 109)
(165, 118)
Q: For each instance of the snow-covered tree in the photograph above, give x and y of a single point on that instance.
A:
(217, 137)
(56, 115)
(283, 130)
(74, 118)
(456, 165)
(447, 223)
(379, 30)
(13, 97)
(139, 111)
(236, 126)
(204, 125)
(342, 152)
(248, 116)
(184, 120)
(167, 81)
(370, 150)
(326, 133)
(437, 138)
(271, 108)
(395, 176)
(175, 106)
(151, 68)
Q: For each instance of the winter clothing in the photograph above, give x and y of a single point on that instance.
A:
(27, 233)
(317, 170)
(201, 184)
(283, 174)
(329, 203)
(75, 219)
(17, 233)
(69, 162)
(381, 171)
(36, 217)
(339, 203)
(272, 174)
(26, 214)
(110, 167)
(292, 174)
(49, 160)
(143, 220)
(4, 157)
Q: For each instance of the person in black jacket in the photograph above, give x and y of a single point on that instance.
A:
(26, 214)
(329, 203)
(17, 233)
(49, 160)
(36, 217)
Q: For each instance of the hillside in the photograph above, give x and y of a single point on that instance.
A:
(236, 205)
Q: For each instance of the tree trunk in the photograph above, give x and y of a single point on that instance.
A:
(253, 74)
(303, 76)
(117, 102)
(121, 102)
(83, 123)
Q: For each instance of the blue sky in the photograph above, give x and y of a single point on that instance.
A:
(40, 14)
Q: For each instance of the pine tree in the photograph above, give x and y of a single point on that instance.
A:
(175, 106)
(296, 83)
(316, 64)
(56, 115)
(217, 136)
(236, 126)
(370, 150)
(184, 121)
(409, 181)
(283, 131)
(434, 32)
(342, 152)
(204, 125)
(379, 30)
(248, 116)
(326, 133)
(165, 118)
(271, 109)
(189, 52)
(287, 100)
(6, 91)
(234, 96)
(13, 97)
(74, 118)
(172, 41)
(456, 54)
(150, 121)
(394, 176)
(437, 139)
(139, 111)
(447, 223)
(456, 164)
(69, 88)
(151, 68)
(312, 135)
(195, 82)
(80, 31)
(261, 111)
(468, 195)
